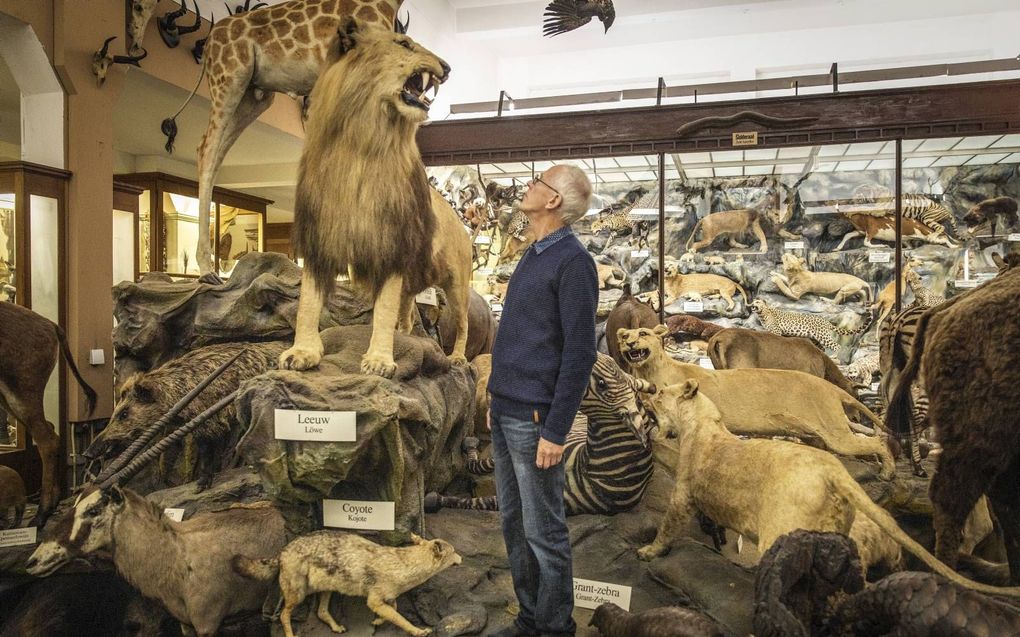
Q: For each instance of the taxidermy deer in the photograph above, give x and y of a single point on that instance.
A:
(29, 347)
(249, 58)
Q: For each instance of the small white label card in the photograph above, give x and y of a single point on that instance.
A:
(177, 515)
(591, 594)
(484, 271)
(497, 307)
(483, 239)
(740, 543)
(966, 283)
(745, 139)
(18, 537)
(875, 386)
(427, 297)
(879, 256)
(317, 426)
(639, 254)
(357, 514)
(706, 363)
(693, 307)
(1013, 236)
(793, 245)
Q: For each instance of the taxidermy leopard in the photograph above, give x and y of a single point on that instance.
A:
(810, 326)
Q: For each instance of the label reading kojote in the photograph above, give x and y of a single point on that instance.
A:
(316, 426)
(358, 514)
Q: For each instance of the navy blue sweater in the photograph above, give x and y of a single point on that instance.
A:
(545, 346)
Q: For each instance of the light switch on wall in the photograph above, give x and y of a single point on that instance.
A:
(97, 357)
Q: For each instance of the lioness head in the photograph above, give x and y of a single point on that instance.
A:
(381, 66)
(792, 262)
(637, 346)
(671, 269)
(680, 406)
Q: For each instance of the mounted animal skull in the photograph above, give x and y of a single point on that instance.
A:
(101, 60)
(141, 13)
(171, 32)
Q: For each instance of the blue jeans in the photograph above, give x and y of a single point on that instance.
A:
(534, 528)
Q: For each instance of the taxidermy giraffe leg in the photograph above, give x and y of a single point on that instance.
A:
(378, 359)
(307, 350)
(235, 105)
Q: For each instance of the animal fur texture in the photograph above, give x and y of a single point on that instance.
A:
(965, 350)
(144, 398)
(796, 281)
(763, 489)
(999, 212)
(331, 561)
(683, 326)
(739, 348)
(629, 313)
(817, 328)
(363, 203)
(30, 346)
(698, 285)
(764, 402)
(12, 496)
(731, 224)
(883, 228)
(668, 621)
(185, 565)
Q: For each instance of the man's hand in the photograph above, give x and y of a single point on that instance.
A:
(549, 454)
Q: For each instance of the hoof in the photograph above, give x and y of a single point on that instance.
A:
(378, 366)
(300, 358)
(210, 278)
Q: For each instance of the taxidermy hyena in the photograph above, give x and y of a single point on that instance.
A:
(327, 561)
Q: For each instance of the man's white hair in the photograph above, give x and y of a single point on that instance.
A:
(575, 190)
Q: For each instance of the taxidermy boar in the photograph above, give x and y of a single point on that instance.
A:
(144, 398)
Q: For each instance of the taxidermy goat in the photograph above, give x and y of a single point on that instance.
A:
(185, 565)
(328, 561)
(764, 489)
(373, 94)
(669, 621)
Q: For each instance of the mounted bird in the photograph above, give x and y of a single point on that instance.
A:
(562, 16)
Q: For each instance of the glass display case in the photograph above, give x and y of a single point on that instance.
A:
(167, 225)
(127, 230)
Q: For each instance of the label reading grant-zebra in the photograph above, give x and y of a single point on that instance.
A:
(357, 514)
(745, 139)
(18, 537)
(316, 426)
(592, 594)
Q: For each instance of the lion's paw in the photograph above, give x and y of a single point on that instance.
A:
(421, 632)
(339, 629)
(650, 551)
(378, 621)
(457, 359)
(300, 358)
(378, 366)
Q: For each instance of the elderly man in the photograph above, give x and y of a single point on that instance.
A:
(541, 362)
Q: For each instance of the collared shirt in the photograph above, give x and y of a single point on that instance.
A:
(551, 238)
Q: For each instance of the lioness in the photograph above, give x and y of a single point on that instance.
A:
(698, 285)
(763, 489)
(731, 224)
(796, 281)
(763, 402)
(363, 201)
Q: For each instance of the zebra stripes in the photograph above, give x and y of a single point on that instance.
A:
(929, 212)
(608, 464)
(895, 343)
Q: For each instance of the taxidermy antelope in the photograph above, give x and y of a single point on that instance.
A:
(29, 347)
(102, 60)
(249, 58)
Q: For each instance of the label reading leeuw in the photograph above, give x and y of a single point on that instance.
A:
(591, 594)
(177, 515)
(18, 537)
(793, 245)
(317, 426)
(427, 297)
(879, 256)
(693, 307)
(357, 514)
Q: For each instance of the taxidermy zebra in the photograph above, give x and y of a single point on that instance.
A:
(609, 465)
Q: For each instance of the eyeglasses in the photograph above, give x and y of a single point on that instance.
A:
(538, 178)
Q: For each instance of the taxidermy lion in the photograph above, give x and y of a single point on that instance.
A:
(763, 489)
(363, 202)
(731, 224)
(796, 281)
(698, 285)
(764, 402)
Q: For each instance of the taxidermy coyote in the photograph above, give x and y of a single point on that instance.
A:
(327, 561)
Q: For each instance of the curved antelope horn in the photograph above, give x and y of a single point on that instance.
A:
(198, 20)
(151, 432)
(172, 16)
(106, 46)
(133, 60)
(125, 474)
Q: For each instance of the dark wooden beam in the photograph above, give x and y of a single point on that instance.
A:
(933, 111)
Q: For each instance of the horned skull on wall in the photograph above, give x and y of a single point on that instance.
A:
(101, 60)
(171, 32)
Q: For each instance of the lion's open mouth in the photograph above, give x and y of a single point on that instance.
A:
(417, 87)
(638, 355)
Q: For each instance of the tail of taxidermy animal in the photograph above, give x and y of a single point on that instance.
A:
(169, 125)
(694, 233)
(863, 327)
(263, 569)
(885, 521)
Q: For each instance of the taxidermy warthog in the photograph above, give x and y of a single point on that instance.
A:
(144, 398)
(185, 565)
